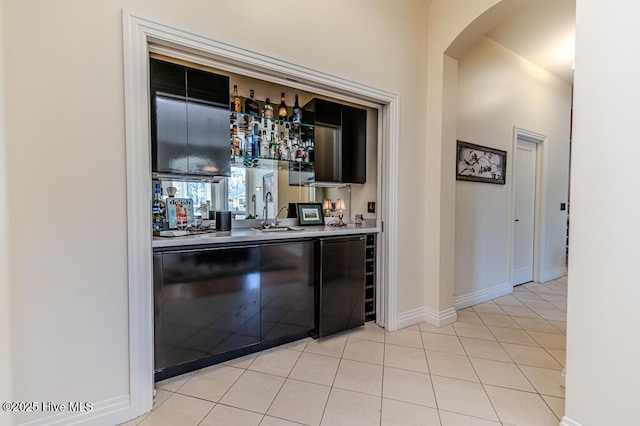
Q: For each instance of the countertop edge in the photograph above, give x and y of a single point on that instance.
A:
(249, 235)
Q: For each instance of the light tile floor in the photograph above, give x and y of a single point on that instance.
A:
(500, 364)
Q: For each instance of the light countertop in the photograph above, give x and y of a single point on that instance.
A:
(248, 235)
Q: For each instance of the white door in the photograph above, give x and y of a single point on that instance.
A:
(525, 197)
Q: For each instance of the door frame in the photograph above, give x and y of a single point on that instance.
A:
(539, 203)
(140, 35)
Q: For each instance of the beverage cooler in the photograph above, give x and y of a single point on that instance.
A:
(340, 289)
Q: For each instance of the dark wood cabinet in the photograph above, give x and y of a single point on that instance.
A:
(287, 289)
(340, 135)
(354, 145)
(189, 120)
(214, 304)
(207, 303)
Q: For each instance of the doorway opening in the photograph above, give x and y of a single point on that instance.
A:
(141, 36)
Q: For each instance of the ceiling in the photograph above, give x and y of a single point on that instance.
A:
(543, 33)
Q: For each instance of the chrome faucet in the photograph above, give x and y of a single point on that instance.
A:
(268, 198)
(276, 223)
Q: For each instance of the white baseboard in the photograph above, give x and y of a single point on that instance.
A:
(418, 315)
(109, 412)
(464, 300)
(552, 274)
(568, 422)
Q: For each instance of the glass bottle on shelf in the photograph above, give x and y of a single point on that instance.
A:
(255, 145)
(248, 144)
(282, 109)
(243, 121)
(267, 111)
(235, 99)
(157, 211)
(311, 152)
(264, 145)
(297, 112)
(251, 105)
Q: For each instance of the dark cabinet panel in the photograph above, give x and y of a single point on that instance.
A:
(170, 149)
(340, 290)
(189, 120)
(287, 282)
(214, 304)
(158, 333)
(327, 154)
(327, 112)
(167, 77)
(210, 301)
(208, 87)
(208, 150)
(354, 147)
(340, 136)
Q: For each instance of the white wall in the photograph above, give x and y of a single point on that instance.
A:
(498, 89)
(66, 160)
(447, 20)
(5, 295)
(603, 336)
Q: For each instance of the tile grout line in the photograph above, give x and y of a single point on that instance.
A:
(426, 358)
(529, 333)
(513, 361)
(478, 376)
(281, 386)
(334, 381)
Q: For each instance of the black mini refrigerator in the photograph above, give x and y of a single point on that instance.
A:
(340, 285)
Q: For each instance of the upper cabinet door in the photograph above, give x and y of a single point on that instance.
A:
(340, 141)
(169, 134)
(354, 145)
(189, 120)
(208, 87)
(208, 128)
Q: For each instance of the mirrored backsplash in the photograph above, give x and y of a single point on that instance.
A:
(268, 188)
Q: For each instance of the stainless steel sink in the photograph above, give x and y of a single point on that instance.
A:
(279, 229)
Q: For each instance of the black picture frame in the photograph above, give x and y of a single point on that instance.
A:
(310, 214)
(477, 163)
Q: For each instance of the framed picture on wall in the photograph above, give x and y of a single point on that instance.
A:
(480, 163)
(310, 214)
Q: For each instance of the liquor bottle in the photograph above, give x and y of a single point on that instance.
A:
(248, 145)
(297, 112)
(311, 151)
(157, 211)
(264, 145)
(251, 105)
(236, 99)
(267, 111)
(282, 109)
(255, 142)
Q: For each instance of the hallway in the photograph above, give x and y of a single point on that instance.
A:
(499, 364)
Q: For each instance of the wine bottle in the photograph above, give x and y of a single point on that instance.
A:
(282, 109)
(236, 99)
(251, 105)
(267, 111)
(297, 112)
